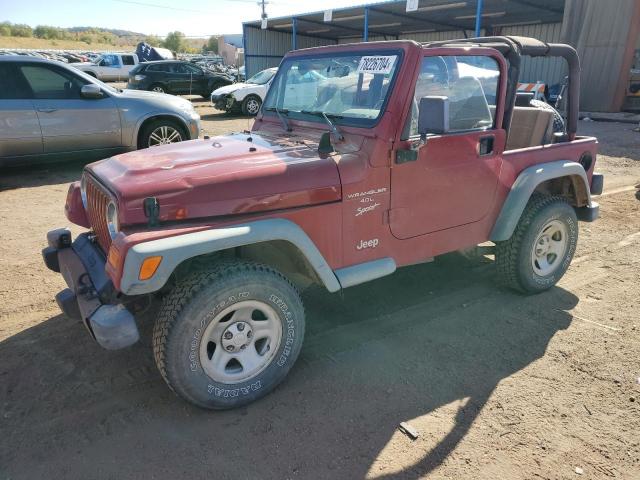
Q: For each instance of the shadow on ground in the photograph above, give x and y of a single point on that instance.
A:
(39, 174)
(390, 351)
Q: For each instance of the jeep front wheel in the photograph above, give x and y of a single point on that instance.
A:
(227, 336)
(541, 248)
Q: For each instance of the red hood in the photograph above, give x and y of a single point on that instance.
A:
(220, 176)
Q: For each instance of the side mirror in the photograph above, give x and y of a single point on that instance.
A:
(91, 91)
(433, 115)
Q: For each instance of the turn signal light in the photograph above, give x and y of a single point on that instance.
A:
(149, 267)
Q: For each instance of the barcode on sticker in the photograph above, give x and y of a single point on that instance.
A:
(376, 64)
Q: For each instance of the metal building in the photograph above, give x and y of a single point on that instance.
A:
(602, 30)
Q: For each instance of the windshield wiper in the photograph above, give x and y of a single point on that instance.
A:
(280, 114)
(326, 116)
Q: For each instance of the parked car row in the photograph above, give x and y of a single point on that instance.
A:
(51, 111)
(59, 55)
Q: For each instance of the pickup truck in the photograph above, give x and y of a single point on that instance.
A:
(110, 67)
(364, 158)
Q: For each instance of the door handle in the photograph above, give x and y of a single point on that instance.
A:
(485, 145)
(47, 110)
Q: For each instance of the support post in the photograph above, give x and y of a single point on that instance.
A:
(294, 28)
(478, 18)
(365, 37)
(244, 53)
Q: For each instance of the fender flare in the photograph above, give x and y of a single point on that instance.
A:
(523, 188)
(175, 250)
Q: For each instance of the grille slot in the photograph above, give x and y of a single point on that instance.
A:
(97, 201)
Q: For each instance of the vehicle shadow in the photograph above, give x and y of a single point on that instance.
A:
(398, 349)
(220, 116)
(40, 174)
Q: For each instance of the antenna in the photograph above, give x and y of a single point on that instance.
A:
(263, 4)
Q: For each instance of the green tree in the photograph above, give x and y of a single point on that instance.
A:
(5, 29)
(20, 30)
(152, 40)
(211, 45)
(175, 42)
(50, 33)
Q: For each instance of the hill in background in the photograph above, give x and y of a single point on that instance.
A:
(94, 38)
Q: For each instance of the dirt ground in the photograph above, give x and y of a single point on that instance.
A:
(500, 386)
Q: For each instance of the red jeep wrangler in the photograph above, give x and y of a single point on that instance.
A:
(364, 158)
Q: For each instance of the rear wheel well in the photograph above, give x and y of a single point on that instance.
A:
(161, 117)
(282, 255)
(570, 187)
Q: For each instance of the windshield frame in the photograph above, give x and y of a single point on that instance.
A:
(344, 121)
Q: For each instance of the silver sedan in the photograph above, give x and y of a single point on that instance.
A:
(49, 111)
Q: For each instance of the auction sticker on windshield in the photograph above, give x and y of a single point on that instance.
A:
(376, 64)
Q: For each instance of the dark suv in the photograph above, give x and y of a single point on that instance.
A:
(177, 77)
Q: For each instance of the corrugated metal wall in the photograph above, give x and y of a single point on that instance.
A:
(546, 70)
(270, 46)
(265, 48)
(434, 36)
(605, 37)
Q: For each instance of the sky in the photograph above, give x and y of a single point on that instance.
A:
(195, 18)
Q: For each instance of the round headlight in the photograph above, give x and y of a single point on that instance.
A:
(112, 219)
(83, 191)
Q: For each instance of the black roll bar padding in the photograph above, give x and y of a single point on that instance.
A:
(513, 48)
(573, 103)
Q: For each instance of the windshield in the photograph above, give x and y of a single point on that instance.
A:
(351, 89)
(262, 77)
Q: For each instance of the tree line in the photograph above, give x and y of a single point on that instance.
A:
(174, 41)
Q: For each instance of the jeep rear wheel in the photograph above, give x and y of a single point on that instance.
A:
(541, 248)
(227, 336)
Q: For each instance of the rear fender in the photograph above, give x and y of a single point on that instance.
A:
(524, 186)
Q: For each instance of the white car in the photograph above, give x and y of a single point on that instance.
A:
(246, 97)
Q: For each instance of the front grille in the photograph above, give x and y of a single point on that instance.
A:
(97, 202)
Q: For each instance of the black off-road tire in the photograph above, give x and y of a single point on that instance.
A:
(195, 302)
(248, 105)
(513, 257)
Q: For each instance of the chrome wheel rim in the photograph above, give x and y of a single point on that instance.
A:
(164, 135)
(253, 106)
(240, 342)
(158, 89)
(549, 248)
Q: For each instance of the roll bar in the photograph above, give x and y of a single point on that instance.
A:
(513, 48)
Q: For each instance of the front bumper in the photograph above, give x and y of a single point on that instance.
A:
(222, 102)
(90, 296)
